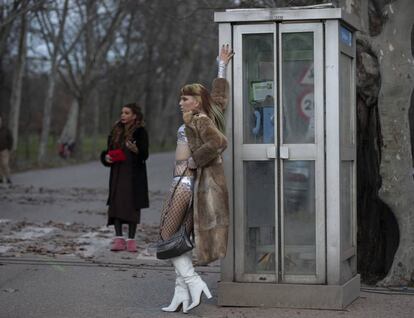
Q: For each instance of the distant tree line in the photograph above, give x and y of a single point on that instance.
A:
(89, 57)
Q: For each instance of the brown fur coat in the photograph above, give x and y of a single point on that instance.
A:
(211, 207)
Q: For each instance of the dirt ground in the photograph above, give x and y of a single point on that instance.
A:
(62, 211)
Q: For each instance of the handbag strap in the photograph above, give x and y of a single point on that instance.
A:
(177, 184)
(191, 199)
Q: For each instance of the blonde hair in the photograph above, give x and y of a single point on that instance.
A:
(202, 95)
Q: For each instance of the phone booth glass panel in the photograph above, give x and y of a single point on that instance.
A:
(291, 158)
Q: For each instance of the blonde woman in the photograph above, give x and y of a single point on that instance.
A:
(199, 177)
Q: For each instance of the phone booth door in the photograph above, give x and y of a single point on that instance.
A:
(279, 153)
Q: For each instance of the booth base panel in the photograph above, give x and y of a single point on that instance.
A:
(288, 295)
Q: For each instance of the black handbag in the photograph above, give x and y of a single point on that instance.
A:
(180, 242)
(176, 245)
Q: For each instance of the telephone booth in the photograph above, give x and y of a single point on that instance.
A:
(291, 159)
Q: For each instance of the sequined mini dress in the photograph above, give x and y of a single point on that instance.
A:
(177, 202)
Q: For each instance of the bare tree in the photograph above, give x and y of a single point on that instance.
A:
(176, 51)
(16, 94)
(120, 68)
(115, 52)
(53, 42)
(83, 65)
(6, 22)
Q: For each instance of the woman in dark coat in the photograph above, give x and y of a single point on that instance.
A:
(128, 186)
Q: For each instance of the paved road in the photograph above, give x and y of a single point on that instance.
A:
(85, 185)
(95, 175)
(69, 290)
(54, 258)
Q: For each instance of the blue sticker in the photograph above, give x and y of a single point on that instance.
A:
(346, 36)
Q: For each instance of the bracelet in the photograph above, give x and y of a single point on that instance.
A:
(221, 69)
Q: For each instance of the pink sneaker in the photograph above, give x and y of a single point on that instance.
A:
(131, 246)
(118, 244)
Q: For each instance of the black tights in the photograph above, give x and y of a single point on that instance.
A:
(132, 228)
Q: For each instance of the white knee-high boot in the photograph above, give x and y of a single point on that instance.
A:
(196, 285)
(181, 296)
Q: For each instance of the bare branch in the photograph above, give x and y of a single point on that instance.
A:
(22, 10)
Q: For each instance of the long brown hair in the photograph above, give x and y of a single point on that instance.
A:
(120, 133)
(202, 95)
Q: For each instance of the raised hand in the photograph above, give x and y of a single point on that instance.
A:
(226, 54)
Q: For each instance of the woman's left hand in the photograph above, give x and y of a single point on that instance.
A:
(191, 163)
(132, 146)
(225, 53)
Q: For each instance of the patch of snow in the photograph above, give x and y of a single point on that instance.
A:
(143, 256)
(4, 249)
(31, 232)
(148, 253)
(91, 243)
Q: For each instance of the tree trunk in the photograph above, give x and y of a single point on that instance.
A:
(95, 134)
(80, 128)
(393, 45)
(377, 227)
(50, 91)
(47, 114)
(169, 109)
(68, 135)
(385, 181)
(95, 53)
(16, 94)
(5, 30)
(149, 105)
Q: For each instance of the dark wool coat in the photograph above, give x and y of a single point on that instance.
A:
(139, 180)
(211, 205)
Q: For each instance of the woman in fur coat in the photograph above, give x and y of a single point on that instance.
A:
(199, 179)
(128, 185)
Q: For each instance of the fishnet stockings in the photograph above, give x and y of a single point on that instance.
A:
(173, 212)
